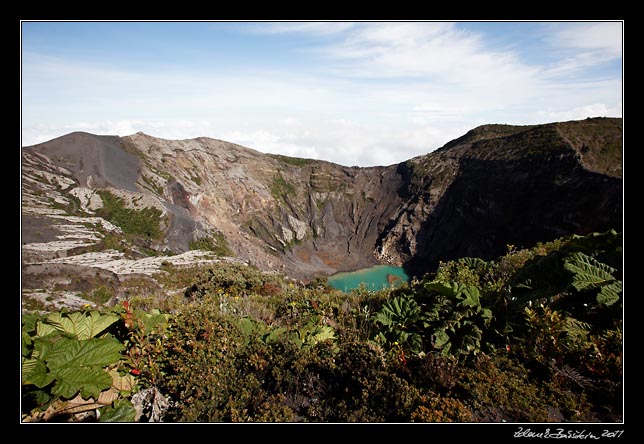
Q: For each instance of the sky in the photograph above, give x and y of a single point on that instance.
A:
(353, 93)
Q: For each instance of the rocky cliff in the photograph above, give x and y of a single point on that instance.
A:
(496, 185)
(500, 185)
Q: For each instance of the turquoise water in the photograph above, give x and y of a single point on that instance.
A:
(374, 278)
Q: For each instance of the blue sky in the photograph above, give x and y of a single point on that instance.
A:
(355, 93)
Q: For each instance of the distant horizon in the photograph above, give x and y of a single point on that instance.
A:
(308, 158)
(351, 93)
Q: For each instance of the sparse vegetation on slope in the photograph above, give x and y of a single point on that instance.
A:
(280, 188)
(295, 161)
(215, 242)
(144, 222)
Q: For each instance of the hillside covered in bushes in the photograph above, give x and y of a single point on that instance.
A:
(534, 335)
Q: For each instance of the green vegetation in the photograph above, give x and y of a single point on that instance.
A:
(31, 303)
(101, 295)
(151, 185)
(70, 364)
(131, 148)
(486, 132)
(86, 361)
(215, 242)
(599, 141)
(295, 161)
(533, 336)
(281, 189)
(112, 241)
(241, 280)
(196, 179)
(72, 207)
(145, 222)
(164, 174)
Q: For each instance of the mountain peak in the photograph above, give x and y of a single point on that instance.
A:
(496, 185)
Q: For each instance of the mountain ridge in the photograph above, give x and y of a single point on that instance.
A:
(495, 185)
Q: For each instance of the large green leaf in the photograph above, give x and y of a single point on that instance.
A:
(77, 365)
(399, 315)
(95, 352)
(456, 318)
(248, 326)
(441, 338)
(154, 320)
(277, 334)
(121, 411)
(321, 334)
(90, 381)
(398, 312)
(415, 342)
(43, 345)
(28, 367)
(44, 329)
(609, 294)
(539, 278)
(384, 316)
(486, 314)
(29, 321)
(443, 288)
(26, 343)
(34, 371)
(469, 296)
(80, 324)
(588, 273)
(473, 262)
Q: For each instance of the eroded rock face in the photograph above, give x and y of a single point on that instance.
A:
(501, 185)
(305, 216)
(496, 185)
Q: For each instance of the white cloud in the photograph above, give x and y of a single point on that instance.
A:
(581, 112)
(35, 134)
(290, 121)
(380, 93)
(436, 52)
(347, 142)
(583, 46)
(339, 140)
(604, 38)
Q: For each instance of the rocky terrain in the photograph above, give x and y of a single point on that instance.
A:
(113, 208)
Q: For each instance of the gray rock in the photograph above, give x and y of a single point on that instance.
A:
(150, 405)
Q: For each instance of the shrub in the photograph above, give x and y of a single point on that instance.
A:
(71, 365)
(280, 188)
(145, 222)
(455, 319)
(435, 372)
(466, 271)
(498, 389)
(249, 346)
(102, 294)
(399, 318)
(215, 242)
(364, 388)
(441, 409)
(198, 366)
(232, 279)
(221, 369)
